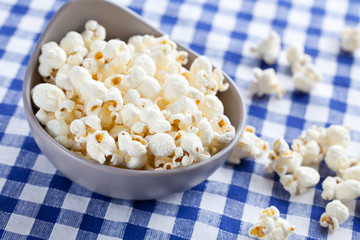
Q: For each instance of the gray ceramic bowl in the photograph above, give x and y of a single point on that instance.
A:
(114, 182)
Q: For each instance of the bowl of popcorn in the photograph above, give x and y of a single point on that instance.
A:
(123, 110)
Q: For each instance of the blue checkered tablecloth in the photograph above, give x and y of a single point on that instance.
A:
(38, 202)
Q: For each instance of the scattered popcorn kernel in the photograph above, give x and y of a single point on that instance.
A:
(282, 159)
(339, 189)
(306, 77)
(299, 182)
(249, 145)
(271, 226)
(350, 39)
(295, 54)
(269, 48)
(310, 151)
(266, 83)
(334, 135)
(335, 214)
(336, 158)
(351, 173)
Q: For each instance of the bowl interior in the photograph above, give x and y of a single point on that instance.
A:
(119, 23)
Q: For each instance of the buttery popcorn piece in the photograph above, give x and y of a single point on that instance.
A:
(306, 77)
(339, 189)
(100, 146)
(350, 39)
(47, 96)
(249, 145)
(282, 159)
(334, 135)
(271, 226)
(266, 83)
(93, 31)
(269, 48)
(335, 214)
(299, 182)
(336, 158)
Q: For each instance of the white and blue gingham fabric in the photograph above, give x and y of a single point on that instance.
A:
(38, 202)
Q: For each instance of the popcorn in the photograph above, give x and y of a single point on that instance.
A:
(73, 43)
(335, 214)
(249, 145)
(269, 48)
(296, 56)
(339, 189)
(336, 158)
(136, 77)
(93, 31)
(211, 107)
(154, 119)
(175, 87)
(149, 88)
(219, 79)
(113, 99)
(351, 173)
(161, 144)
(334, 135)
(51, 59)
(305, 74)
(133, 145)
(146, 63)
(43, 116)
(57, 128)
(266, 83)
(350, 39)
(129, 114)
(306, 77)
(192, 146)
(283, 160)
(131, 105)
(206, 133)
(271, 226)
(131, 162)
(93, 107)
(309, 150)
(224, 132)
(47, 96)
(101, 146)
(79, 75)
(299, 182)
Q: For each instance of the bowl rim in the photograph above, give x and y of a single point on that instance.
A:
(36, 126)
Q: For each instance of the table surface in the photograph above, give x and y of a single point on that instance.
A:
(38, 202)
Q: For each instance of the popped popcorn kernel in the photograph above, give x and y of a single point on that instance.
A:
(350, 39)
(335, 214)
(266, 83)
(269, 48)
(271, 226)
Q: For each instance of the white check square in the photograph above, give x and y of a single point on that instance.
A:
(75, 203)
(119, 213)
(162, 223)
(15, 221)
(212, 202)
(33, 193)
